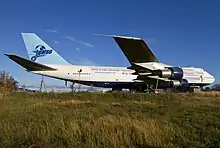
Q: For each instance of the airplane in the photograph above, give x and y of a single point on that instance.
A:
(149, 69)
(145, 69)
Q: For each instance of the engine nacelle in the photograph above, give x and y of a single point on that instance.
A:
(172, 73)
(175, 83)
(180, 83)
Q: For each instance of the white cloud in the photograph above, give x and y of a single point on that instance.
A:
(56, 42)
(86, 44)
(52, 30)
(78, 49)
(70, 38)
(81, 42)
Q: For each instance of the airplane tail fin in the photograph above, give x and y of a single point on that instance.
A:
(41, 52)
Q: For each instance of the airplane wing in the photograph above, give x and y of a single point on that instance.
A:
(142, 60)
(28, 64)
(135, 49)
(138, 53)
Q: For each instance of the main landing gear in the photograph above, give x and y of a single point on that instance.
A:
(195, 89)
(116, 89)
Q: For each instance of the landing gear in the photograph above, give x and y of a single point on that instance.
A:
(132, 90)
(116, 89)
(141, 89)
(156, 89)
(137, 89)
(195, 89)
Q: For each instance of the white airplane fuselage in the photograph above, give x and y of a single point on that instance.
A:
(107, 76)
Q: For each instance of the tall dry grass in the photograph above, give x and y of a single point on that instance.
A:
(108, 120)
(208, 94)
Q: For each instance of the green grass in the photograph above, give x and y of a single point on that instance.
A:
(109, 120)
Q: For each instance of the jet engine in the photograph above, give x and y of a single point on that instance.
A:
(172, 73)
(183, 83)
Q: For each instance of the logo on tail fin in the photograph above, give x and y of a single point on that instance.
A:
(40, 51)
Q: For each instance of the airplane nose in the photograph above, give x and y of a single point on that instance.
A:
(213, 79)
(210, 77)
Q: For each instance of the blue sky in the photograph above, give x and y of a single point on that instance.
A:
(181, 33)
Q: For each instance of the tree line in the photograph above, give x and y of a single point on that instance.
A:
(7, 82)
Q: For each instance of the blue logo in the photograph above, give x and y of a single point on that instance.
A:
(40, 51)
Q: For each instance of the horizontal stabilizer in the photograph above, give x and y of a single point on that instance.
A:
(28, 64)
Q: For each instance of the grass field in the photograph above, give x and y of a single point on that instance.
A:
(109, 120)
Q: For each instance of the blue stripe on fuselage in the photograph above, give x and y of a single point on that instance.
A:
(124, 84)
(106, 84)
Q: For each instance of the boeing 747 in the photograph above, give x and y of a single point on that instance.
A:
(145, 69)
